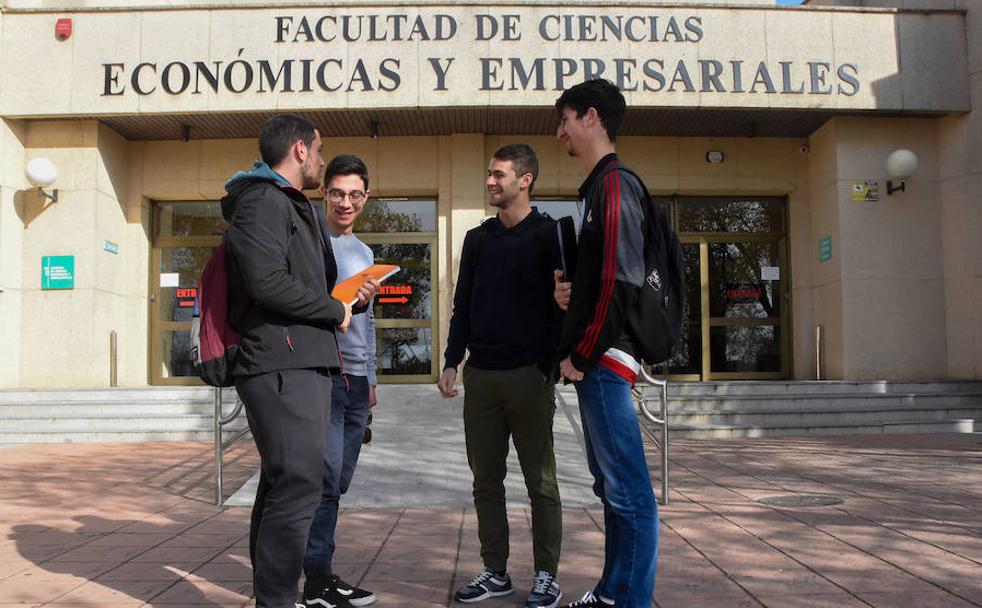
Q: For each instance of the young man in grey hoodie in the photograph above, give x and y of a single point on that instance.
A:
(353, 391)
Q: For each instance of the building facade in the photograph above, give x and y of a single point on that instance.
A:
(763, 130)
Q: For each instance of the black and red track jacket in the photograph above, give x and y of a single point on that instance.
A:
(609, 272)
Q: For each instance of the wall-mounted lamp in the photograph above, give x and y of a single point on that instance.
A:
(185, 133)
(901, 164)
(373, 129)
(714, 157)
(41, 172)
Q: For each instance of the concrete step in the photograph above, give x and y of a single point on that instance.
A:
(709, 431)
(816, 417)
(846, 402)
(114, 424)
(812, 387)
(102, 437)
(112, 396)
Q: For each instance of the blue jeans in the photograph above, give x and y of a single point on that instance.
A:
(349, 415)
(615, 455)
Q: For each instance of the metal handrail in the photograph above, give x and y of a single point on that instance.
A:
(222, 445)
(661, 422)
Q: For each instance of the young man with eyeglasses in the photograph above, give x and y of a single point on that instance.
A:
(353, 391)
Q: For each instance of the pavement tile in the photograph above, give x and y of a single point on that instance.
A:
(194, 591)
(840, 600)
(935, 599)
(115, 591)
(136, 571)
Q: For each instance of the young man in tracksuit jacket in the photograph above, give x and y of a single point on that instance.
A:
(596, 351)
(279, 272)
(505, 315)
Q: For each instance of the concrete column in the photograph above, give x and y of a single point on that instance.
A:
(66, 332)
(462, 206)
(13, 188)
(885, 280)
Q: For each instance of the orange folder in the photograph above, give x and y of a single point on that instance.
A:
(347, 290)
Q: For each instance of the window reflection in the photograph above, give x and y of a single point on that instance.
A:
(729, 214)
(189, 219)
(385, 215)
(735, 286)
(745, 348)
(404, 350)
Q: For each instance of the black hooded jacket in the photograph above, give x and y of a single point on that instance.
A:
(280, 274)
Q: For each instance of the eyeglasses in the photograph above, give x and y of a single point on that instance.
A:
(336, 195)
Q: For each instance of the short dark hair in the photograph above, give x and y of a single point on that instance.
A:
(280, 133)
(600, 94)
(523, 160)
(346, 164)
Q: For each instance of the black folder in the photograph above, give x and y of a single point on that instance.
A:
(566, 232)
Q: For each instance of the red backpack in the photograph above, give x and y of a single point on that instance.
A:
(214, 344)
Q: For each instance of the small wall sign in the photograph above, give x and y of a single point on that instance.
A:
(825, 249)
(58, 272)
(865, 192)
(110, 247)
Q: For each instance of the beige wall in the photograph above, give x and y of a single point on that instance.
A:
(960, 167)
(65, 333)
(881, 297)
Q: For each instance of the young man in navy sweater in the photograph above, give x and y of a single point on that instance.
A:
(504, 314)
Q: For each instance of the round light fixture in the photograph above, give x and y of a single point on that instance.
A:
(901, 164)
(714, 157)
(41, 172)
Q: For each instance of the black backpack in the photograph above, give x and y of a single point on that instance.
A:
(655, 324)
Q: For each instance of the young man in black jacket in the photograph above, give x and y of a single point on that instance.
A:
(596, 349)
(280, 273)
(505, 315)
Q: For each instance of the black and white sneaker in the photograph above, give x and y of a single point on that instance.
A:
(590, 600)
(545, 591)
(486, 584)
(335, 593)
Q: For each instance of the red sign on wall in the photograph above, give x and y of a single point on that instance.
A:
(395, 294)
(185, 296)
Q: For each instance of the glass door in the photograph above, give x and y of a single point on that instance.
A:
(402, 231)
(737, 313)
(184, 235)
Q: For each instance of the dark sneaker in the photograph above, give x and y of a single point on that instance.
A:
(589, 600)
(486, 584)
(338, 594)
(545, 591)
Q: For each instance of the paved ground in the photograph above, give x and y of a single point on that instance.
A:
(125, 525)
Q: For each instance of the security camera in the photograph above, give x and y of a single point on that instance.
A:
(803, 148)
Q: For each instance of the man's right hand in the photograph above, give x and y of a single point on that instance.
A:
(343, 326)
(562, 290)
(445, 384)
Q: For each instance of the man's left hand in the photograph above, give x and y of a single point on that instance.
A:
(569, 372)
(367, 291)
(372, 398)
